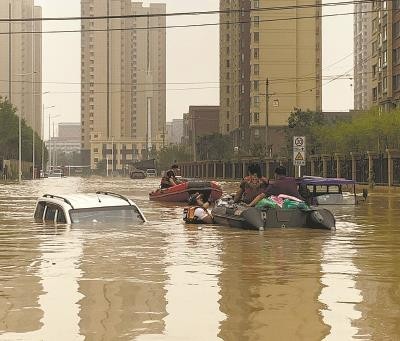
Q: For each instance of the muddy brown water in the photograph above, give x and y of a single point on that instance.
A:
(167, 281)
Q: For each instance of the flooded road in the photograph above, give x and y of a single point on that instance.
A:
(167, 281)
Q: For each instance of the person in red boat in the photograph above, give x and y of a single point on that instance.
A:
(252, 186)
(169, 179)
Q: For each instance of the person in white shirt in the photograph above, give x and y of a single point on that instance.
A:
(198, 210)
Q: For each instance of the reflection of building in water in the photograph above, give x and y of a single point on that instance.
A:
(378, 260)
(270, 289)
(123, 287)
(20, 288)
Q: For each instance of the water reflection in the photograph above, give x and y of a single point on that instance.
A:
(339, 279)
(193, 291)
(167, 281)
(269, 284)
(123, 283)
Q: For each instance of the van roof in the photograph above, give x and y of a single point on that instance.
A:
(89, 200)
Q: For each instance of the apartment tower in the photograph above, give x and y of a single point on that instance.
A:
(21, 60)
(269, 65)
(362, 55)
(123, 102)
(385, 58)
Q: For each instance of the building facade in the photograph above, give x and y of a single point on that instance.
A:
(21, 60)
(123, 78)
(268, 67)
(174, 132)
(362, 56)
(385, 58)
(199, 121)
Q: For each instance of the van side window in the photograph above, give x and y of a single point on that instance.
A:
(61, 216)
(50, 212)
(40, 210)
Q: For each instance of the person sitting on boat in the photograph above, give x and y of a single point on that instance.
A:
(197, 212)
(169, 179)
(252, 186)
(283, 184)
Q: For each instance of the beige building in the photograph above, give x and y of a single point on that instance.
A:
(362, 56)
(123, 79)
(254, 47)
(385, 55)
(21, 75)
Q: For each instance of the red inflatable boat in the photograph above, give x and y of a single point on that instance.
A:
(181, 192)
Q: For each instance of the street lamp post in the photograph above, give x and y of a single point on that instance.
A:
(43, 109)
(112, 157)
(50, 140)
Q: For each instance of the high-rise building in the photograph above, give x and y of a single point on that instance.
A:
(362, 55)
(174, 131)
(385, 54)
(21, 60)
(123, 103)
(257, 45)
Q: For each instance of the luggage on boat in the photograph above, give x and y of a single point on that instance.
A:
(290, 215)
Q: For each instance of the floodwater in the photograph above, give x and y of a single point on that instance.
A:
(166, 281)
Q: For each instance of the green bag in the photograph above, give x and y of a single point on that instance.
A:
(266, 202)
(295, 204)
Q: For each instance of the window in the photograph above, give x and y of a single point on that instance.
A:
(227, 128)
(396, 29)
(255, 85)
(256, 37)
(228, 63)
(256, 69)
(374, 94)
(227, 115)
(384, 84)
(396, 55)
(374, 70)
(256, 4)
(256, 21)
(228, 89)
(396, 82)
(256, 118)
(256, 101)
(256, 53)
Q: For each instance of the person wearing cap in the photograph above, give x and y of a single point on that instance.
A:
(169, 179)
(197, 212)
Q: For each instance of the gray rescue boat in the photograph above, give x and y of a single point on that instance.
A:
(236, 215)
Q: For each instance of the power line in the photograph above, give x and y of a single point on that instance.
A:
(195, 25)
(273, 80)
(193, 13)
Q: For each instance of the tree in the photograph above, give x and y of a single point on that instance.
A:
(214, 147)
(372, 130)
(9, 136)
(304, 123)
(171, 154)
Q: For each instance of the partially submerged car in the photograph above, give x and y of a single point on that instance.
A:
(329, 191)
(87, 208)
(151, 172)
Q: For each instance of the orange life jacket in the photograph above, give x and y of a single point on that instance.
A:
(189, 216)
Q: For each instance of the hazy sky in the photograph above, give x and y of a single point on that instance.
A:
(192, 57)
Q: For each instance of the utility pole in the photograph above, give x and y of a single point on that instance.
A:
(267, 118)
(9, 54)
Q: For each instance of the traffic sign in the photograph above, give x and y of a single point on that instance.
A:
(299, 141)
(299, 150)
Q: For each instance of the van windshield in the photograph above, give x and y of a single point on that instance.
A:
(126, 214)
